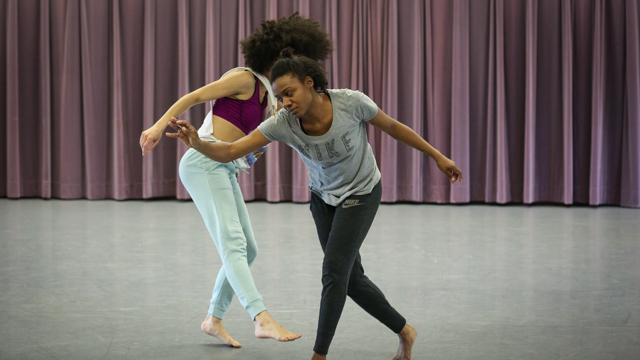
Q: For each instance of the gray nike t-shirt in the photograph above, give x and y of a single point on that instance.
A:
(340, 163)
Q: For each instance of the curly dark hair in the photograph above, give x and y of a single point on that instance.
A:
(301, 67)
(305, 36)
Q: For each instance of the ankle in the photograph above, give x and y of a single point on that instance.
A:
(262, 319)
(212, 319)
(406, 330)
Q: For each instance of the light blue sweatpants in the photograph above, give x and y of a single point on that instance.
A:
(214, 188)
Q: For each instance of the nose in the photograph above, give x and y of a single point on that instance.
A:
(286, 103)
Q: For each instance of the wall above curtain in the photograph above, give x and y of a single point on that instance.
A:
(535, 100)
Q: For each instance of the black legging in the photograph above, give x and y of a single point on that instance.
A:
(342, 230)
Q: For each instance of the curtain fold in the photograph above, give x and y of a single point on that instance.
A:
(415, 61)
(529, 191)
(567, 11)
(4, 61)
(389, 39)
(45, 101)
(67, 105)
(498, 185)
(460, 98)
(92, 37)
(598, 99)
(14, 185)
(535, 100)
(630, 191)
(149, 188)
(184, 85)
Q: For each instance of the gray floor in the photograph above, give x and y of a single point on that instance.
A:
(132, 280)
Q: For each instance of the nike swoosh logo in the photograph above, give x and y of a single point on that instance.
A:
(344, 206)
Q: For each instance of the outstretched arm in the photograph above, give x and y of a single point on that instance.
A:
(406, 135)
(232, 84)
(219, 151)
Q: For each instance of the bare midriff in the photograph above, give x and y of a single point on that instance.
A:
(225, 131)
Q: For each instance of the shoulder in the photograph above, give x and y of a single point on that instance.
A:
(241, 76)
(238, 82)
(284, 117)
(354, 102)
(281, 118)
(345, 92)
(347, 95)
(350, 98)
(278, 126)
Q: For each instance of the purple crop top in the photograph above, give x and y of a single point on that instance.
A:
(246, 115)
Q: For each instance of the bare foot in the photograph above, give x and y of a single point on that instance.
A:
(317, 356)
(407, 338)
(213, 326)
(268, 328)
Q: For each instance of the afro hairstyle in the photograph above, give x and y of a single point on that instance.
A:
(305, 36)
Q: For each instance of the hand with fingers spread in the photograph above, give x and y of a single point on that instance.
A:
(185, 132)
(150, 138)
(449, 167)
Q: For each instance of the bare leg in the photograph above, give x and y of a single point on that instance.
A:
(407, 338)
(317, 356)
(213, 326)
(268, 328)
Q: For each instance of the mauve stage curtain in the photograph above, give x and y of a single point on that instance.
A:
(536, 100)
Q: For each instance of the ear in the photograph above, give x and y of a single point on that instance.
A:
(308, 81)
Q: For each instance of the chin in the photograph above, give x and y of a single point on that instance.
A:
(300, 113)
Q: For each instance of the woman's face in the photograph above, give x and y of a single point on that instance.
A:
(296, 97)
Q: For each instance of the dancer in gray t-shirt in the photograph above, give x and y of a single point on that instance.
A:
(327, 128)
(340, 162)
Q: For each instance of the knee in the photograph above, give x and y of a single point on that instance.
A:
(353, 285)
(252, 251)
(233, 254)
(334, 278)
(234, 247)
(334, 282)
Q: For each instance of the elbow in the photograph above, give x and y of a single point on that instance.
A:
(393, 130)
(229, 154)
(224, 156)
(226, 159)
(216, 151)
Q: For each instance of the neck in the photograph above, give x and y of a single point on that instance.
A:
(267, 74)
(317, 110)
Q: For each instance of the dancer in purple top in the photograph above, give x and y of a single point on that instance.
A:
(242, 97)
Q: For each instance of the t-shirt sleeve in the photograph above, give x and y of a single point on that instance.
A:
(367, 108)
(272, 128)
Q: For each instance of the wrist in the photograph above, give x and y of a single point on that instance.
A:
(197, 143)
(436, 155)
(161, 124)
